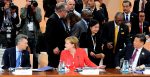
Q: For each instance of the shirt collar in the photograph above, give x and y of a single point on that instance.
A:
(58, 15)
(84, 21)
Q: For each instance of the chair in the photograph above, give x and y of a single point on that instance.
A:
(43, 59)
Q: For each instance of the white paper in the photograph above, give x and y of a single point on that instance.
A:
(30, 26)
(22, 72)
(147, 71)
(91, 71)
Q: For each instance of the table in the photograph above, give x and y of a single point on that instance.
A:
(108, 73)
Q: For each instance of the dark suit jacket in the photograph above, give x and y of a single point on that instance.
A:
(144, 57)
(105, 11)
(147, 11)
(146, 26)
(79, 28)
(9, 58)
(123, 35)
(136, 6)
(55, 37)
(86, 42)
(133, 21)
(99, 15)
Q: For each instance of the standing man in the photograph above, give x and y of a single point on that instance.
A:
(116, 37)
(130, 17)
(17, 56)
(56, 32)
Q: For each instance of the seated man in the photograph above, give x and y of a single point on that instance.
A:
(17, 56)
(137, 55)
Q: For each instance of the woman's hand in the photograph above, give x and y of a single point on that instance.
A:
(100, 55)
(101, 66)
(92, 54)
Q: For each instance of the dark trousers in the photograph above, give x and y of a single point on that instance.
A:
(32, 44)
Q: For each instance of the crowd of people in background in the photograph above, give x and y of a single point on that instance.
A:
(85, 21)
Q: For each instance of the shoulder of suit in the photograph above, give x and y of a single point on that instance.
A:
(145, 50)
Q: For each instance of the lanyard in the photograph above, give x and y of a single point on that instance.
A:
(94, 42)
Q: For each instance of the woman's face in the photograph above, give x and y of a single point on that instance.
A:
(68, 45)
(95, 28)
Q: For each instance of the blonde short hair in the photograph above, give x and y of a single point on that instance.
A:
(73, 40)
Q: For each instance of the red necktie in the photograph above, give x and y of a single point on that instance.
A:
(134, 54)
(141, 30)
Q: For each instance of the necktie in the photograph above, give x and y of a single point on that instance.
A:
(142, 5)
(18, 61)
(141, 30)
(116, 36)
(127, 18)
(134, 54)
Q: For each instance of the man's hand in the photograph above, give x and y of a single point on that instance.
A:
(118, 68)
(109, 45)
(56, 51)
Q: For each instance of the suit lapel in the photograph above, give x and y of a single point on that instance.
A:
(113, 30)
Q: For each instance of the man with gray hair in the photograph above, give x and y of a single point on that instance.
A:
(55, 34)
(17, 56)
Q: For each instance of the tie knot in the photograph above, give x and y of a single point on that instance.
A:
(136, 50)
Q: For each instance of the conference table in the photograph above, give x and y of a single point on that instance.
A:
(54, 73)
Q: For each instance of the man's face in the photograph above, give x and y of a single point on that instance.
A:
(119, 20)
(71, 5)
(23, 44)
(126, 7)
(137, 43)
(59, 1)
(91, 3)
(141, 16)
(64, 12)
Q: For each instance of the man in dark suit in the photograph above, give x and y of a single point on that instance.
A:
(130, 17)
(143, 26)
(56, 32)
(17, 56)
(138, 56)
(116, 37)
(147, 11)
(82, 25)
(139, 5)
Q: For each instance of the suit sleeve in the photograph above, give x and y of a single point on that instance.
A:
(5, 60)
(50, 34)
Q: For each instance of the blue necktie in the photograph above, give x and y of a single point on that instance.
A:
(127, 18)
(18, 62)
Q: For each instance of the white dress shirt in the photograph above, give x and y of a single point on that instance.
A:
(134, 64)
